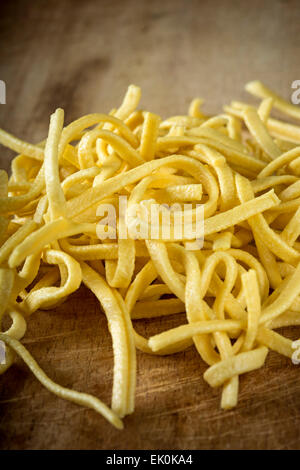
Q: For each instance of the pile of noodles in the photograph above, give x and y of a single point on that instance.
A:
(242, 168)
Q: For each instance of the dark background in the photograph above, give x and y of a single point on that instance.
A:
(81, 55)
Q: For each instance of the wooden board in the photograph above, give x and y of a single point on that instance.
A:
(82, 56)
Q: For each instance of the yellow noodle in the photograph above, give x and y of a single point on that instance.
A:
(79, 398)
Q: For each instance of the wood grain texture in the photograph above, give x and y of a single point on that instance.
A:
(82, 56)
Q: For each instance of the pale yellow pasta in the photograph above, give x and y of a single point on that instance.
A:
(121, 147)
(252, 295)
(265, 109)
(77, 397)
(260, 133)
(10, 205)
(243, 362)
(149, 136)
(257, 88)
(6, 286)
(130, 102)
(55, 195)
(194, 108)
(231, 286)
(119, 327)
(186, 331)
(48, 296)
(20, 146)
(16, 239)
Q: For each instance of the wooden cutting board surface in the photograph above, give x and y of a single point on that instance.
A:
(81, 56)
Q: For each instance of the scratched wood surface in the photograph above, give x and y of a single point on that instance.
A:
(82, 56)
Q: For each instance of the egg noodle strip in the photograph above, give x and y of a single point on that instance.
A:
(76, 208)
(82, 399)
(20, 146)
(259, 89)
(55, 195)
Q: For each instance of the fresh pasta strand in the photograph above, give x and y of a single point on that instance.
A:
(76, 397)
